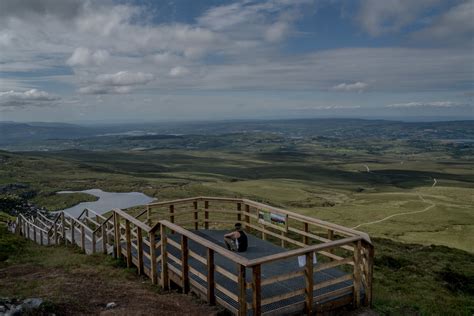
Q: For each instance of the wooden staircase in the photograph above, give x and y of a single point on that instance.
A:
(90, 231)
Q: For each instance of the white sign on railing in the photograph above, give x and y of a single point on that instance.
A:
(302, 260)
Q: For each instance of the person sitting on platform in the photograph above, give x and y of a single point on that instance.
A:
(236, 240)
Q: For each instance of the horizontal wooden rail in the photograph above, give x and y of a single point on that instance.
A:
(174, 244)
(282, 297)
(227, 292)
(281, 278)
(344, 278)
(226, 273)
(258, 205)
(333, 264)
(132, 219)
(197, 257)
(301, 251)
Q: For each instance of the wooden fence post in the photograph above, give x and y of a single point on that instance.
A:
(164, 258)
(83, 238)
(211, 285)
(247, 218)
(140, 250)
(47, 238)
(148, 214)
(239, 209)
(242, 291)
(55, 232)
(306, 230)
(257, 290)
(117, 243)
(41, 237)
(196, 216)
(94, 241)
(308, 274)
(18, 226)
(370, 275)
(331, 237)
(34, 233)
(172, 215)
(129, 243)
(185, 264)
(206, 214)
(153, 267)
(73, 231)
(104, 238)
(63, 228)
(357, 276)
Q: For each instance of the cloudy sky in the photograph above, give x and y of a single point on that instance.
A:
(80, 60)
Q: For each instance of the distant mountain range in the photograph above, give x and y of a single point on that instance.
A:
(28, 133)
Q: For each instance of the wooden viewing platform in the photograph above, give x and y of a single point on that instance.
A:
(294, 264)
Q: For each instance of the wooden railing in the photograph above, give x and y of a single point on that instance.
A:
(334, 245)
(156, 241)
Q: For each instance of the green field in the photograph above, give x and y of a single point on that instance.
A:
(411, 192)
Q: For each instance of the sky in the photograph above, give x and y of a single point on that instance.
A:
(124, 61)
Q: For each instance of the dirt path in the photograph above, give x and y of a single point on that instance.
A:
(400, 214)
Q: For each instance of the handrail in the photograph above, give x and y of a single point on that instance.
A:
(95, 213)
(259, 205)
(140, 214)
(82, 213)
(173, 201)
(301, 251)
(41, 222)
(250, 263)
(79, 222)
(310, 219)
(54, 222)
(132, 219)
(33, 224)
(43, 216)
(106, 220)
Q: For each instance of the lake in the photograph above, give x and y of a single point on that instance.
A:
(108, 201)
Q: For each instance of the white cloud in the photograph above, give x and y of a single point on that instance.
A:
(86, 57)
(378, 17)
(351, 87)
(120, 82)
(32, 97)
(435, 104)
(178, 71)
(124, 78)
(97, 89)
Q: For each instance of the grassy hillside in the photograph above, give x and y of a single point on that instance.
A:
(401, 204)
(410, 186)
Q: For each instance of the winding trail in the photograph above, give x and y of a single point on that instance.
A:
(400, 214)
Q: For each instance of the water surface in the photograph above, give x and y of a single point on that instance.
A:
(107, 201)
